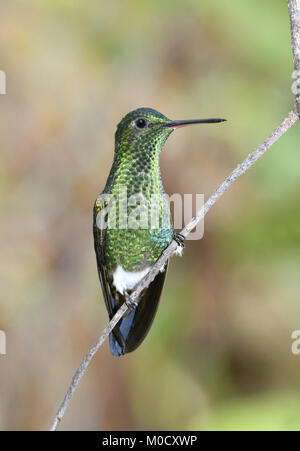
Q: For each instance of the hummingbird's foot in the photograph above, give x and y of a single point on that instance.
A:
(131, 305)
(179, 238)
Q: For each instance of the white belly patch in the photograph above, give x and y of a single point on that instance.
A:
(126, 280)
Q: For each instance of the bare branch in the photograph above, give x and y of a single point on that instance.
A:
(84, 364)
(294, 12)
(290, 120)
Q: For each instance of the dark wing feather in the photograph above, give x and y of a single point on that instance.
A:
(99, 236)
(109, 293)
(132, 330)
(129, 333)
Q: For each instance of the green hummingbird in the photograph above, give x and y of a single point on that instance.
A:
(126, 242)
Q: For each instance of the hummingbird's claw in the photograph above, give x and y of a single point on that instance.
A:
(179, 238)
(131, 305)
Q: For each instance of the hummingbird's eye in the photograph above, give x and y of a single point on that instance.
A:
(140, 123)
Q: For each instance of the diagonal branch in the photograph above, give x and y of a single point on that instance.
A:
(288, 122)
(294, 12)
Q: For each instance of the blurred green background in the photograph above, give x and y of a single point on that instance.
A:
(218, 355)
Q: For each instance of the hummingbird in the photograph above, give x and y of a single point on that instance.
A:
(125, 254)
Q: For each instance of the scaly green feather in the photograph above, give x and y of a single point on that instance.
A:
(136, 167)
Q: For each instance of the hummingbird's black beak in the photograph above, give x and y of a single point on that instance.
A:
(176, 124)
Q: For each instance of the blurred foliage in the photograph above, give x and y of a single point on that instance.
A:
(219, 353)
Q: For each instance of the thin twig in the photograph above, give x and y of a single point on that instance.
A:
(294, 12)
(84, 364)
(290, 120)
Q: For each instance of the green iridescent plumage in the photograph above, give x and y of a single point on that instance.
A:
(132, 240)
(136, 170)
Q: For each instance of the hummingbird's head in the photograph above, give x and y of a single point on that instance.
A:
(143, 125)
(148, 130)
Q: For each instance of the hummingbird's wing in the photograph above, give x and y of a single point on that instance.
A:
(131, 330)
(99, 239)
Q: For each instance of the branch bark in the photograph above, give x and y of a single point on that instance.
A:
(294, 12)
(288, 122)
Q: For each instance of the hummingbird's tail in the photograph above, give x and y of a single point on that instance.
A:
(129, 333)
(115, 348)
